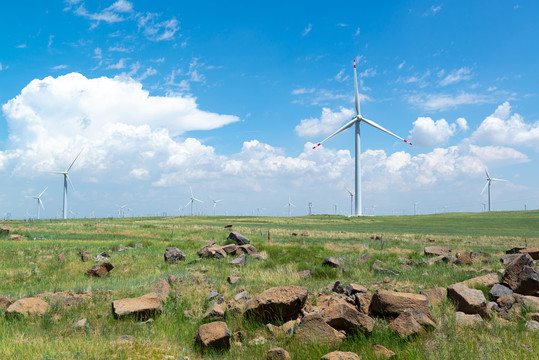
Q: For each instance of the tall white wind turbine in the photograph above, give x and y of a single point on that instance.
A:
(215, 205)
(351, 200)
(289, 204)
(356, 120)
(66, 180)
(39, 202)
(193, 199)
(489, 181)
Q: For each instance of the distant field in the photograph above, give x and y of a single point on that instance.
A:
(30, 267)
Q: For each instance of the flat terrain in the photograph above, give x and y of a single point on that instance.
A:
(31, 267)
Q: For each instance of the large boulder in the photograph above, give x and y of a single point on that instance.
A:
(277, 303)
(467, 319)
(211, 250)
(436, 295)
(506, 259)
(436, 250)
(214, 335)
(173, 255)
(343, 316)
(100, 270)
(520, 277)
(333, 262)
(142, 307)
(363, 302)
(488, 280)
(340, 355)
(469, 301)
(498, 291)
(239, 261)
(162, 289)
(385, 302)
(230, 249)
(533, 252)
(314, 329)
(412, 322)
(238, 238)
(247, 249)
(28, 306)
(4, 303)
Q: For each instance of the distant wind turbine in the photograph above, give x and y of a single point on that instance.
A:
(121, 210)
(39, 202)
(193, 199)
(356, 120)
(351, 200)
(489, 181)
(66, 180)
(215, 205)
(289, 204)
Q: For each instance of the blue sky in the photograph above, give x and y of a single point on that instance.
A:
(228, 98)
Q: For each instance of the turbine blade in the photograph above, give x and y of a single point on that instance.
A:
(494, 179)
(191, 189)
(373, 124)
(39, 196)
(346, 126)
(56, 172)
(356, 94)
(200, 201)
(70, 166)
(484, 188)
(486, 172)
(188, 203)
(41, 203)
(69, 181)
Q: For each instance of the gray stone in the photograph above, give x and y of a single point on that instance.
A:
(143, 307)
(499, 290)
(532, 325)
(277, 303)
(314, 330)
(467, 319)
(173, 255)
(506, 259)
(277, 354)
(337, 287)
(238, 238)
(333, 262)
(100, 270)
(393, 303)
(343, 316)
(469, 301)
(239, 261)
(520, 277)
(353, 289)
(436, 250)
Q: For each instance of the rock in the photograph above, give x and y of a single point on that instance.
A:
(233, 279)
(142, 307)
(214, 294)
(436, 295)
(506, 259)
(238, 238)
(532, 325)
(466, 319)
(241, 296)
(499, 290)
(465, 258)
(380, 270)
(392, 303)
(505, 301)
(123, 339)
(520, 277)
(16, 237)
(85, 256)
(227, 226)
(313, 329)
(173, 255)
(340, 355)
(277, 303)
(61, 257)
(162, 289)
(436, 250)
(214, 335)
(533, 252)
(488, 280)
(277, 354)
(515, 250)
(28, 306)
(343, 316)
(333, 262)
(4, 303)
(211, 250)
(363, 258)
(382, 352)
(138, 245)
(257, 341)
(304, 274)
(239, 261)
(531, 302)
(230, 249)
(469, 301)
(337, 287)
(215, 312)
(406, 325)
(363, 302)
(534, 316)
(287, 329)
(247, 249)
(100, 270)
(353, 289)
(81, 324)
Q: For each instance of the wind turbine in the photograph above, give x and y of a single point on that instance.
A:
(489, 181)
(351, 201)
(39, 202)
(215, 204)
(121, 210)
(310, 206)
(193, 199)
(356, 120)
(66, 180)
(289, 204)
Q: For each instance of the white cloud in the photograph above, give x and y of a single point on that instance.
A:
(157, 30)
(329, 121)
(456, 76)
(1, 68)
(439, 102)
(416, 79)
(370, 72)
(341, 77)
(59, 67)
(504, 128)
(307, 30)
(119, 65)
(112, 14)
(401, 65)
(433, 10)
(428, 133)
(358, 31)
(302, 91)
(462, 124)
(139, 174)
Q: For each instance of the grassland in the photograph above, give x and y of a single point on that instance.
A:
(30, 267)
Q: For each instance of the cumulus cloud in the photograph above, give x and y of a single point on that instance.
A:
(329, 121)
(428, 133)
(504, 128)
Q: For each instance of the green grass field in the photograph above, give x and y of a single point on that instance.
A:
(30, 267)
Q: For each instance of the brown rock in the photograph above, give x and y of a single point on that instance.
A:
(4, 303)
(239, 261)
(533, 252)
(28, 306)
(520, 277)
(287, 329)
(277, 354)
(173, 255)
(505, 301)
(436, 250)
(233, 279)
(363, 302)
(211, 250)
(100, 270)
(61, 257)
(465, 258)
(333, 262)
(469, 301)
(142, 307)
(343, 316)
(382, 352)
(283, 303)
(313, 329)
(506, 259)
(467, 319)
(215, 312)
(436, 295)
(352, 289)
(16, 237)
(247, 249)
(488, 280)
(391, 303)
(214, 335)
(230, 249)
(406, 325)
(340, 355)
(85, 256)
(304, 274)
(528, 301)
(162, 289)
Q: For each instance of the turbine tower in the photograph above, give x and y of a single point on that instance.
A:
(39, 202)
(215, 205)
(66, 180)
(289, 204)
(489, 181)
(193, 199)
(356, 120)
(351, 201)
